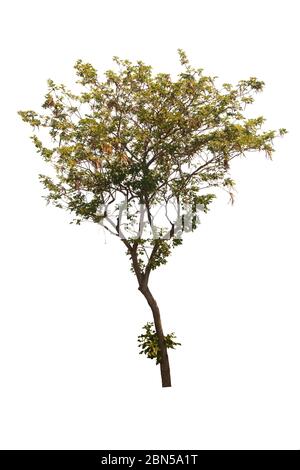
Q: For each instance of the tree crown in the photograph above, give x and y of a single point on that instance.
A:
(142, 153)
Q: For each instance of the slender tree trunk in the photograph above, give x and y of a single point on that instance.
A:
(164, 364)
(143, 278)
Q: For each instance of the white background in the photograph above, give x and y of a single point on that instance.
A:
(71, 376)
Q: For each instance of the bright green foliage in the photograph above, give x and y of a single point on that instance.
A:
(148, 341)
(141, 153)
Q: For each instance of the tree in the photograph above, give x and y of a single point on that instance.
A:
(142, 155)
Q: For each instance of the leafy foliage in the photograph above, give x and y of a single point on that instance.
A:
(148, 341)
(141, 153)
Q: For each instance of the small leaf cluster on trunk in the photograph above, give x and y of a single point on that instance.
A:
(148, 342)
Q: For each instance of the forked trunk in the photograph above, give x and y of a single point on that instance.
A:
(164, 363)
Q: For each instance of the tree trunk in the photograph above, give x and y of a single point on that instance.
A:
(164, 363)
